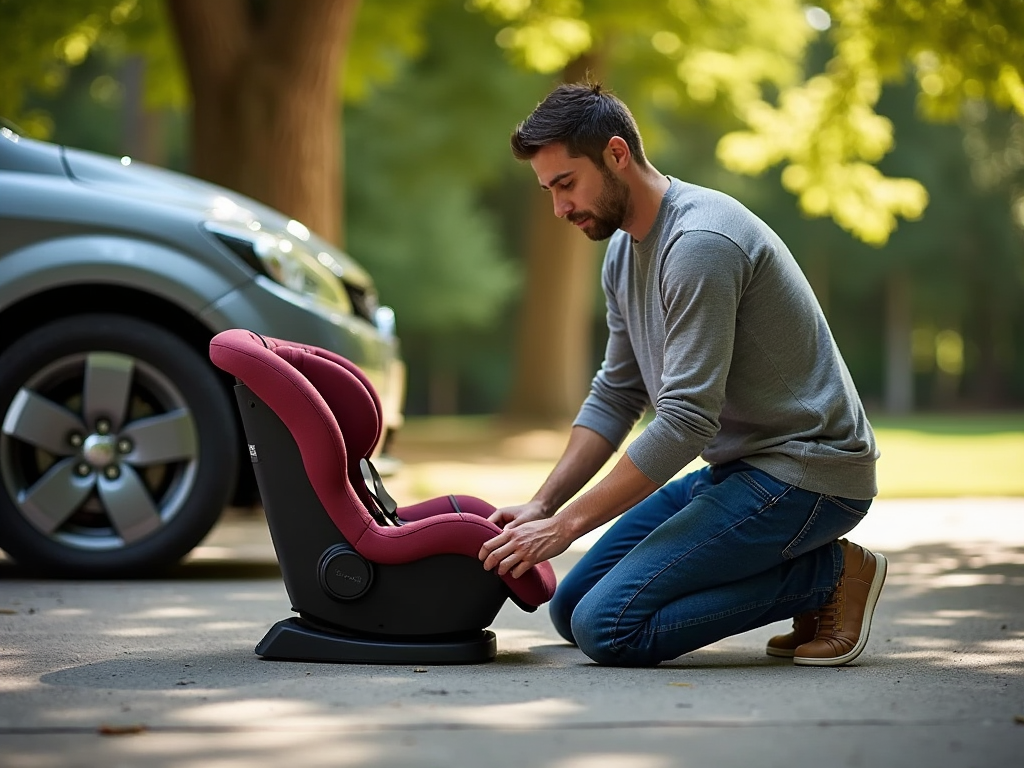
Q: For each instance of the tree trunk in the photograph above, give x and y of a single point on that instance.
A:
(995, 363)
(266, 115)
(553, 358)
(143, 129)
(553, 365)
(899, 372)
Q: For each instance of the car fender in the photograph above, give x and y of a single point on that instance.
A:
(113, 260)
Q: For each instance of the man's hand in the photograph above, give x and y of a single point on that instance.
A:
(530, 533)
(510, 517)
(521, 546)
(530, 537)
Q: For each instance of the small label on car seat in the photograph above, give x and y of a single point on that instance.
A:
(252, 454)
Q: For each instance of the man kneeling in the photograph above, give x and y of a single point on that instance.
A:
(713, 324)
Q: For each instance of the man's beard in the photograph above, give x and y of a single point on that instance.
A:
(611, 209)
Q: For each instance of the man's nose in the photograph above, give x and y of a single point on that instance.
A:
(562, 207)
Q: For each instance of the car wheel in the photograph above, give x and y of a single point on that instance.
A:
(118, 450)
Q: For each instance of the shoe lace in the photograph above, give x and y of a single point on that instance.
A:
(830, 615)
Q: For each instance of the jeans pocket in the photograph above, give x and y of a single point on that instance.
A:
(830, 518)
(764, 485)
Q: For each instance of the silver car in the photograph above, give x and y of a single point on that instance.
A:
(121, 443)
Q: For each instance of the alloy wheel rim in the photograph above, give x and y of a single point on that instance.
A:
(99, 451)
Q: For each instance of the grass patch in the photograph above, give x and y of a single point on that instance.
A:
(953, 424)
(951, 455)
(945, 455)
(923, 455)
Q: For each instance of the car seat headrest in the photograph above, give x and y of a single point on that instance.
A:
(348, 398)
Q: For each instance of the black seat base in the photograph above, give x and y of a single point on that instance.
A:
(293, 639)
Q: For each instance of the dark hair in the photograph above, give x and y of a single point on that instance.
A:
(583, 116)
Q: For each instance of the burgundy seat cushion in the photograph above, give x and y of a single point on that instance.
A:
(282, 375)
(349, 401)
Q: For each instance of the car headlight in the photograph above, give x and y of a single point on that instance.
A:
(288, 263)
(294, 267)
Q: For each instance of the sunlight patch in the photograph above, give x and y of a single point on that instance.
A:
(138, 632)
(9, 683)
(229, 626)
(604, 760)
(254, 596)
(67, 612)
(177, 612)
(521, 639)
(249, 711)
(211, 552)
(925, 621)
(243, 750)
(525, 714)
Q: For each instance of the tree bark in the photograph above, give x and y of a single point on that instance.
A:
(266, 118)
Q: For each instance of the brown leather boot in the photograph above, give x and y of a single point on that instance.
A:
(805, 626)
(844, 622)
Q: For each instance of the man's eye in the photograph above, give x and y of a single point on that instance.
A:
(566, 185)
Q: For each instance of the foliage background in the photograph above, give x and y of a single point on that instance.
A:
(435, 205)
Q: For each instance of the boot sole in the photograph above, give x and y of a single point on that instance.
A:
(865, 629)
(780, 653)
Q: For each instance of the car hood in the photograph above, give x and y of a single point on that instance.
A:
(210, 201)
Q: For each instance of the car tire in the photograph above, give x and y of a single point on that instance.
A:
(118, 451)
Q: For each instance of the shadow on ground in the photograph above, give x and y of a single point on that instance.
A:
(169, 664)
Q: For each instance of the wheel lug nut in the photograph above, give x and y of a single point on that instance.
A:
(124, 445)
(83, 470)
(75, 439)
(103, 426)
(112, 472)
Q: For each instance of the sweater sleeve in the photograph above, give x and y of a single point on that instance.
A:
(703, 275)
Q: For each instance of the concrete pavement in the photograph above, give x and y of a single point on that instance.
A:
(162, 673)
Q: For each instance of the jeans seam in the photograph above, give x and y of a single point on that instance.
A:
(616, 644)
(839, 503)
(725, 614)
(766, 497)
(787, 552)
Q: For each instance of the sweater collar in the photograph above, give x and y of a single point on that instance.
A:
(650, 242)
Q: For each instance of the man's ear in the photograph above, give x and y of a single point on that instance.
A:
(617, 152)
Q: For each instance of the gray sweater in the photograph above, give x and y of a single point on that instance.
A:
(711, 320)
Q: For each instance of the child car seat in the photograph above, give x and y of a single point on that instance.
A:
(371, 581)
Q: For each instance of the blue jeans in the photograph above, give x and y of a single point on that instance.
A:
(720, 551)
